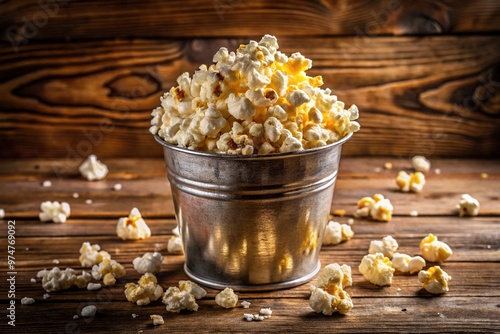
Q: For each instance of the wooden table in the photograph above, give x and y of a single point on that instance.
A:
(471, 305)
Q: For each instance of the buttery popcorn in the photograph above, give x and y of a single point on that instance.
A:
(434, 280)
(327, 292)
(145, 291)
(148, 263)
(57, 279)
(256, 100)
(421, 164)
(174, 245)
(387, 246)
(183, 297)
(378, 208)
(54, 211)
(468, 206)
(92, 254)
(133, 227)
(92, 169)
(407, 264)
(377, 269)
(157, 319)
(226, 298)
(413, 182)
(434, 250)
(335, 233)
(108, 270)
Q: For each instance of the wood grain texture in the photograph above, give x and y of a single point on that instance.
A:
(471, 305)
(417, 95)
(27, 20)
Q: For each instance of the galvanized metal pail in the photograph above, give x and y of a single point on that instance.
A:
(252, 222)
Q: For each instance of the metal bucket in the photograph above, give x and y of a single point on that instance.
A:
(252, 222)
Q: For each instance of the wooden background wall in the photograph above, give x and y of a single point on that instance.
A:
(81, 77)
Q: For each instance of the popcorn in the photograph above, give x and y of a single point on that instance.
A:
(434, 280)
(257, 85)
(377, 269)
(174, 245)
(47, 183)
(378, 208)
(434, 250)
(117, 187)
(468, 206)
(387, 246)
(2, 213)
(266, 312)
(92, 254)
(92, 169)
(410, 182)
(54, 211)
(226, 298)
(157, 319)
(421, 164)
(108, 270)
(145, 291)
(133, 227)
(183, 297)
(407, 264)
(57, 279)
(327, 292)
(94, 286)
(148, 263)
(246, 304)
(88, 311)
(335, 233)
(27, 301)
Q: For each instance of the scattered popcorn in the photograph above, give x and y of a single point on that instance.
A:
(183, 297)
(57, 279)
(388, 165)
(414, 213)
(157, 319)
(33, 280)
(145, 291)
(148, 263)
(47, 183)
(117, 187)
(2, 213)
(54, 211)
(434, 250)
(410, 182)
(407, 264)
(27, 301)
(93, 286)
(437, 171)
(134, 315)
(75, 195)
(133, 227)
(92, 169)
(327, 292)
(377, 269)
(174, 245)
(55, 261)
(226, 298)
(252, 317)
(339, 212)
(434, 280)
(484, 175)
(350, 221)
(246, 304)
(108, 270)
(387, 246)
(378, 208)
(253, 101)
(88, 311)
(46, 296)
(421, 164)
(468, 206)
(88, 201)
(266, 312)
(92, 254)
(335, 233)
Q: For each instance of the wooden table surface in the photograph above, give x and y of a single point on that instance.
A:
(471, 305)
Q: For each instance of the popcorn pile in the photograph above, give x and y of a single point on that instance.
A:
(254, 100)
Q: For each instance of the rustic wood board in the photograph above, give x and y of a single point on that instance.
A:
(471, 305)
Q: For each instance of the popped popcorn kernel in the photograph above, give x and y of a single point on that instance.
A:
(335, 233)
(54, 211)
(27, 301)
(434, 280)
(413, 182)
(145, 291)
(88, 311)
(246, 304)
(468, 206)
(183, 297)
(387, 246)
(407, 264)
(57, 279)
(434, 250)
(108, 270)
(266, 312)
(174, 245)
(157, 319)
(327, 292)
(148, 263)
(377, 207)
(377, 269)
(92, 254)
(421, 164)
(133, 227)
(226, 298)
(92, 169)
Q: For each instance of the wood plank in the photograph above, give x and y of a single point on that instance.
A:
(24, 21)
(439, 92)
